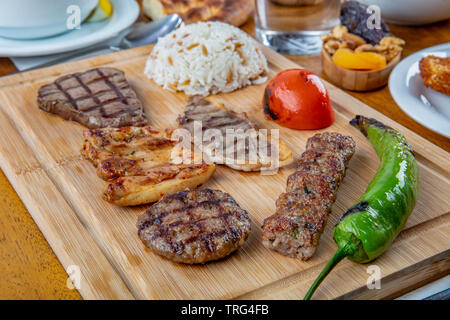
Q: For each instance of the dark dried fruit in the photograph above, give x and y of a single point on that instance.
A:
(354, 16)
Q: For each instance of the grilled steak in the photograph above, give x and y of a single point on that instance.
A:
(294, 230)
(97, 98)
(138, 163)
(214, 115)
(194, 226)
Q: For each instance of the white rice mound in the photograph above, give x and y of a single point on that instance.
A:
(206, 58)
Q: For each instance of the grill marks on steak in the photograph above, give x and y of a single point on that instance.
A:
(213, 115)
(194, 226)
(97, 98)
(301, 214)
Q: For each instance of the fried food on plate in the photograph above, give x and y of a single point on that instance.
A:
(435, 72)
(140, 164)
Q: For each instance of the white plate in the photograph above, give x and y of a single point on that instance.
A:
(408, 90)
(124, 15)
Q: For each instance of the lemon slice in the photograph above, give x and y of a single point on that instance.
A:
(102, 12)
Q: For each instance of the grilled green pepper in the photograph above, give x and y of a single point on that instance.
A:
(366, 229)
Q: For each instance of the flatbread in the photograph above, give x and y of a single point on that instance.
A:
(229, 11)
(297, 2)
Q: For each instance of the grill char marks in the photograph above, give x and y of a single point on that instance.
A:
(244, 154)
(97, 98)
(295, 228)
(194, 226)
(137, 163)
(212, 117)
(128, 151)
(216, 116)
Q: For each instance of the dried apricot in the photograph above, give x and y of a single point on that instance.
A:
(347, 59)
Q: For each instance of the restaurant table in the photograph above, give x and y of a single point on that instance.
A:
(30, 270)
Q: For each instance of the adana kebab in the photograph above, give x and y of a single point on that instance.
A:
(294, 230)
(367, 229)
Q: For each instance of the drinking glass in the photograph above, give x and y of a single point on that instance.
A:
(294, 26)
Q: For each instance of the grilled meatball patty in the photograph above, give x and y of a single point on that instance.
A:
(194, 226)
(295, 229)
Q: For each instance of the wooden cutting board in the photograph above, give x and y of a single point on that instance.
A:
(40, 154)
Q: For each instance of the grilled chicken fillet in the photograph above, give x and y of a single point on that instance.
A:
(295, 228)
(138, 163)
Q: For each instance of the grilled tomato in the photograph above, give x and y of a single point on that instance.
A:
(298, 99)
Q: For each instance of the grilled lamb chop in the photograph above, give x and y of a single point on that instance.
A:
(214, 115)
(194, 226)
(97, 98)
(294, 230)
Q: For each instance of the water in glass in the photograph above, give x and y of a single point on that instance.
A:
(294, 26)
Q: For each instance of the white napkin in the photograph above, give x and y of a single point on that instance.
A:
(24, 63)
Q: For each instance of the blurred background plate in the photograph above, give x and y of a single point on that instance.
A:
(125, 13)
(409, 92)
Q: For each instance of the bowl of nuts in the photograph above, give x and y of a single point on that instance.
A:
(356, 57)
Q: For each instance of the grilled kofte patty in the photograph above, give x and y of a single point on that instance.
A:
(294, 230)
(194, 226)
(97, 98)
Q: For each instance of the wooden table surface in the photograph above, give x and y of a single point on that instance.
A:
(30, 270)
